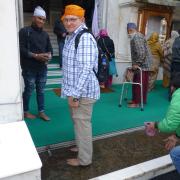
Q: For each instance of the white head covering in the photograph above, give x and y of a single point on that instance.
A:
(39, 11)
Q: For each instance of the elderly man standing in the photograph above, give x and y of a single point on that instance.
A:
(140, 58)
(80, 84)
(35, 51)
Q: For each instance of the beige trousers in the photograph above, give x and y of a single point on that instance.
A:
(83, 129)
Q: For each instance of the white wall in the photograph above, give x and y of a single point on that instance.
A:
(116, 16)
(10, 92)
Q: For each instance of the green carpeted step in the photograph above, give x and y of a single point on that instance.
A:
(107, 116)
(54, 60)
(54, 69)
(52, 86)
(54, 76)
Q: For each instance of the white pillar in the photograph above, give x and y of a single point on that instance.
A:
(10, 88)
(19, 11)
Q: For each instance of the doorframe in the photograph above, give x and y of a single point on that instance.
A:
(145, 12)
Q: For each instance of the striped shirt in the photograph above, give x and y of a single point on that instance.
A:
(79, 80)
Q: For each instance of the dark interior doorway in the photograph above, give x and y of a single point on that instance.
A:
(29, 5)
(48, 5)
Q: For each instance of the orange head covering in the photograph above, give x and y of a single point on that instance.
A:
(73, 10)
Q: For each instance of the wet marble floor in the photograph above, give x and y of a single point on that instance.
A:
(110, 154)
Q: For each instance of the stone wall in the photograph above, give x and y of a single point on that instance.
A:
(10, 91)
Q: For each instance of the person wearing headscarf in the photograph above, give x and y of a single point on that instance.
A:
(35, 52)
(106, 46)
(157, 54)
(80, 85)
(141, 57)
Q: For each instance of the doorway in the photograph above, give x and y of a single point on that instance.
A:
(155, 19)
(53, 7)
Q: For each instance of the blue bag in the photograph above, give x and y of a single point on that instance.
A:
(112, 67)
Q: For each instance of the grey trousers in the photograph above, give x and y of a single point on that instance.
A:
(83, 129)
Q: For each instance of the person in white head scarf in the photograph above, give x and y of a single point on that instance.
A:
(39, 12)
(39, 17)
(35, 51)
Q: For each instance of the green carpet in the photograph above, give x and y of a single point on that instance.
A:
(54, 60)
(107, 116)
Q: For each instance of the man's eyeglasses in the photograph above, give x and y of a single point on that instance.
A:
(71, 20)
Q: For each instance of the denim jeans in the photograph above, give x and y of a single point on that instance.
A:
(175, 156)
(61, 45)
(34, 79)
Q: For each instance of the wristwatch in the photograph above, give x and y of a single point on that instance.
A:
(75, 99)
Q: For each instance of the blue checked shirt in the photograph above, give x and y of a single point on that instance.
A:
(79, 80)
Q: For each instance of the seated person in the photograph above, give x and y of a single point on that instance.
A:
(171, 123)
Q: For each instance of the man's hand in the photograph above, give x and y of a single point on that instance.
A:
(151, 125)
(72, 103)
(170, 142)
(44, 57)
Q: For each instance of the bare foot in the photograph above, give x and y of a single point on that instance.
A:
(73, 162)
(134, 105)
(131, 102)
(74, 149)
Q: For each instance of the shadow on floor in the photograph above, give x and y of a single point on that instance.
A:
(169, 176)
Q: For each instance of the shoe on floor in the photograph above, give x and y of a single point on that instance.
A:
(29, 115)
(43, 116)
(134, 105)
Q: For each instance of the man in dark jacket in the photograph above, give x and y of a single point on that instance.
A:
(60, 32)
(35, 51)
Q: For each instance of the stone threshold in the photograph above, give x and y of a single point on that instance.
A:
(143, 171)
